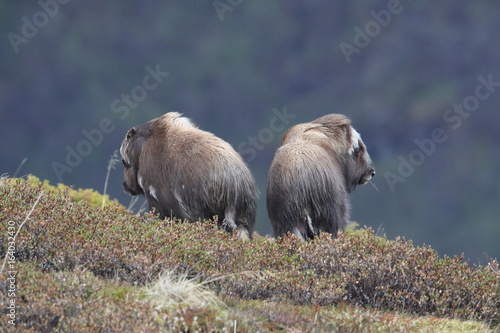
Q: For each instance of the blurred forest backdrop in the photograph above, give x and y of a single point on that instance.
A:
(76, 75)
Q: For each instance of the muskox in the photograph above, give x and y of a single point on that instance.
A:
(189, 174)
(315, 168)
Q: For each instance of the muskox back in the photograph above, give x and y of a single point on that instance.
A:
(312, 174)
(188, 173)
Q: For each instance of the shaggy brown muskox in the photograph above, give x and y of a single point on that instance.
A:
(316, 167)
(188, 173)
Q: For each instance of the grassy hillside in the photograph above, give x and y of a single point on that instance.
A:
(81, 266)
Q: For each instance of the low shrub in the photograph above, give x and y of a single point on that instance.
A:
(78, 301)
(358, 268)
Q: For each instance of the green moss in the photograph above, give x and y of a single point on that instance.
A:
(88, 195)
(118, 292)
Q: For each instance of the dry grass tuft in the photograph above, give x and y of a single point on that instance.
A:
(172, 291)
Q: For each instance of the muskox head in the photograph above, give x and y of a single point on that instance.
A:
(333, 133)
(360, 168)
(347, 147)
(131, 150)
(134, 159)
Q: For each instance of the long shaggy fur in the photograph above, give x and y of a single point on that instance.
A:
(316, 167)
(188, 173)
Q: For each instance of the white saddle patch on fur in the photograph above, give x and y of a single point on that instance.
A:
(177, 119)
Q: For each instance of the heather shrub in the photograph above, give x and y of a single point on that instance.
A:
(78, 301)
(356, 269)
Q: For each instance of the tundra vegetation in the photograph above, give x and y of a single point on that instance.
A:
(81, 266)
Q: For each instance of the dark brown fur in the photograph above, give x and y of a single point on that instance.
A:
(316, 167)
(188, 173)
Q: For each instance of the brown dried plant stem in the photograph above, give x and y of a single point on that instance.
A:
(19, 229)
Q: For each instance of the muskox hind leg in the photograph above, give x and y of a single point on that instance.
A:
(239, 226)
(304, 229)
(242, 232)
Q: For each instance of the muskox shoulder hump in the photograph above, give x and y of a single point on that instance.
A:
(176, 119)
(333, 120)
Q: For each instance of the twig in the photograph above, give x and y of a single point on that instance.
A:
(20, 166)
(374, 185)
(18, 230)
(493, 266)
(132, 203)
(111, 165)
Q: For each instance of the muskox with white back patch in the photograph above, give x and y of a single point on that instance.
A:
(188, 173)
(313, 171)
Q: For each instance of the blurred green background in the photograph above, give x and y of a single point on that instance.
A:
(398, 69)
